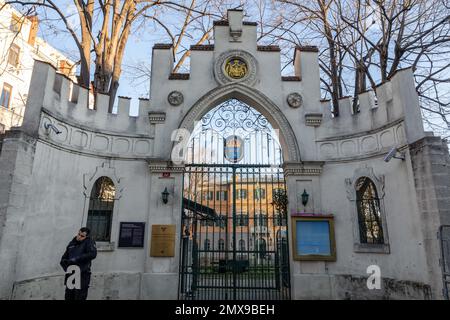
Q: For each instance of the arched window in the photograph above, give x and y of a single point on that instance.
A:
(369, 214)
(221, 244)
(101, 205)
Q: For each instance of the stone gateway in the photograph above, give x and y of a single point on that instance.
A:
(304, 209)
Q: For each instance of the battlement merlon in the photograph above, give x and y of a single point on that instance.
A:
(59, 97)
(306, 68)
(396, 101)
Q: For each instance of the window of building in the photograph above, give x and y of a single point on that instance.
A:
(101, 206)
(369, 214)
(261, 248)
(5, 98)
(221, 244)
(261, 220)
(13, 55)
(15, 24)
(241, 194)
(241, 220)
(221, 221)
(259, 193)
(222, 195)
(242, 245)
(207, 245)
(208, 195)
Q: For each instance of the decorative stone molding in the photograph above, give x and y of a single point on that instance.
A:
(313, 119)
(365, 144)
(175, 98)
(156, 117)
(252, 67)
(257, 100)
(81, 140)
(307, 168)
(294, 100)
(160, 166)
(105, 170)
(350, 185)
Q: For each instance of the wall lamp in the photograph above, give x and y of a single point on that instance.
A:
(305, 197)
(165, 196)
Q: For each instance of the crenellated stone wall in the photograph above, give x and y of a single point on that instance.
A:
(47, 176)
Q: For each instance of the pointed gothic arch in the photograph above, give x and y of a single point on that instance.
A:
(255, 99)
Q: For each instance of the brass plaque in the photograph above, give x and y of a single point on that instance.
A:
(163, 240)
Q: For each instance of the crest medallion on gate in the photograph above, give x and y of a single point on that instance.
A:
(233, 148)
(236, 66)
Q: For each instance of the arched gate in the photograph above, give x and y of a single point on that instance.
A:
(234, 213)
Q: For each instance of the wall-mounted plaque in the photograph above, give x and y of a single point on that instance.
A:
(313, 237)
(131, 234)
(163, 240)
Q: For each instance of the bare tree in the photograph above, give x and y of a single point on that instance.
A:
(364, 42)
(104, 30)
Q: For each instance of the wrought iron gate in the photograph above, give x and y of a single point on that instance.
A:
(234, 219)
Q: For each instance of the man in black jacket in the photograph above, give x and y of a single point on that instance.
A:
(79, 252)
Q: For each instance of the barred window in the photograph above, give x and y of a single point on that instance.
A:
(221, 244)
(241, 194)
(241, 220)
(101, 206)
(259, 193)
(222, 195)
(369, 215)
(261, 220)
(242, 245)
(207, 244)
(208, 195)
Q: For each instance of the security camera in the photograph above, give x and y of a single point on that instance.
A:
(49, 126)
(391, 154)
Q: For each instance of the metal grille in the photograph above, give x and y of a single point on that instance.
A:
(234, 241)
(101, 206)
(369, 216)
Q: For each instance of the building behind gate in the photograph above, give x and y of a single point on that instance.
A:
(348, 212)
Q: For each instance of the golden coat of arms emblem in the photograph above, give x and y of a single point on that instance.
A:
(236, 68)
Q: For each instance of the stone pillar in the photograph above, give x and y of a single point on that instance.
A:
(431, 169)
(161, 274)
(16, 164)
(300, 177)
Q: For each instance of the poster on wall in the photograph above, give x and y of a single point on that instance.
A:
(131, 234)
(314, 237)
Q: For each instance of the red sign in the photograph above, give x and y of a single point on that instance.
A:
(166, 174)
